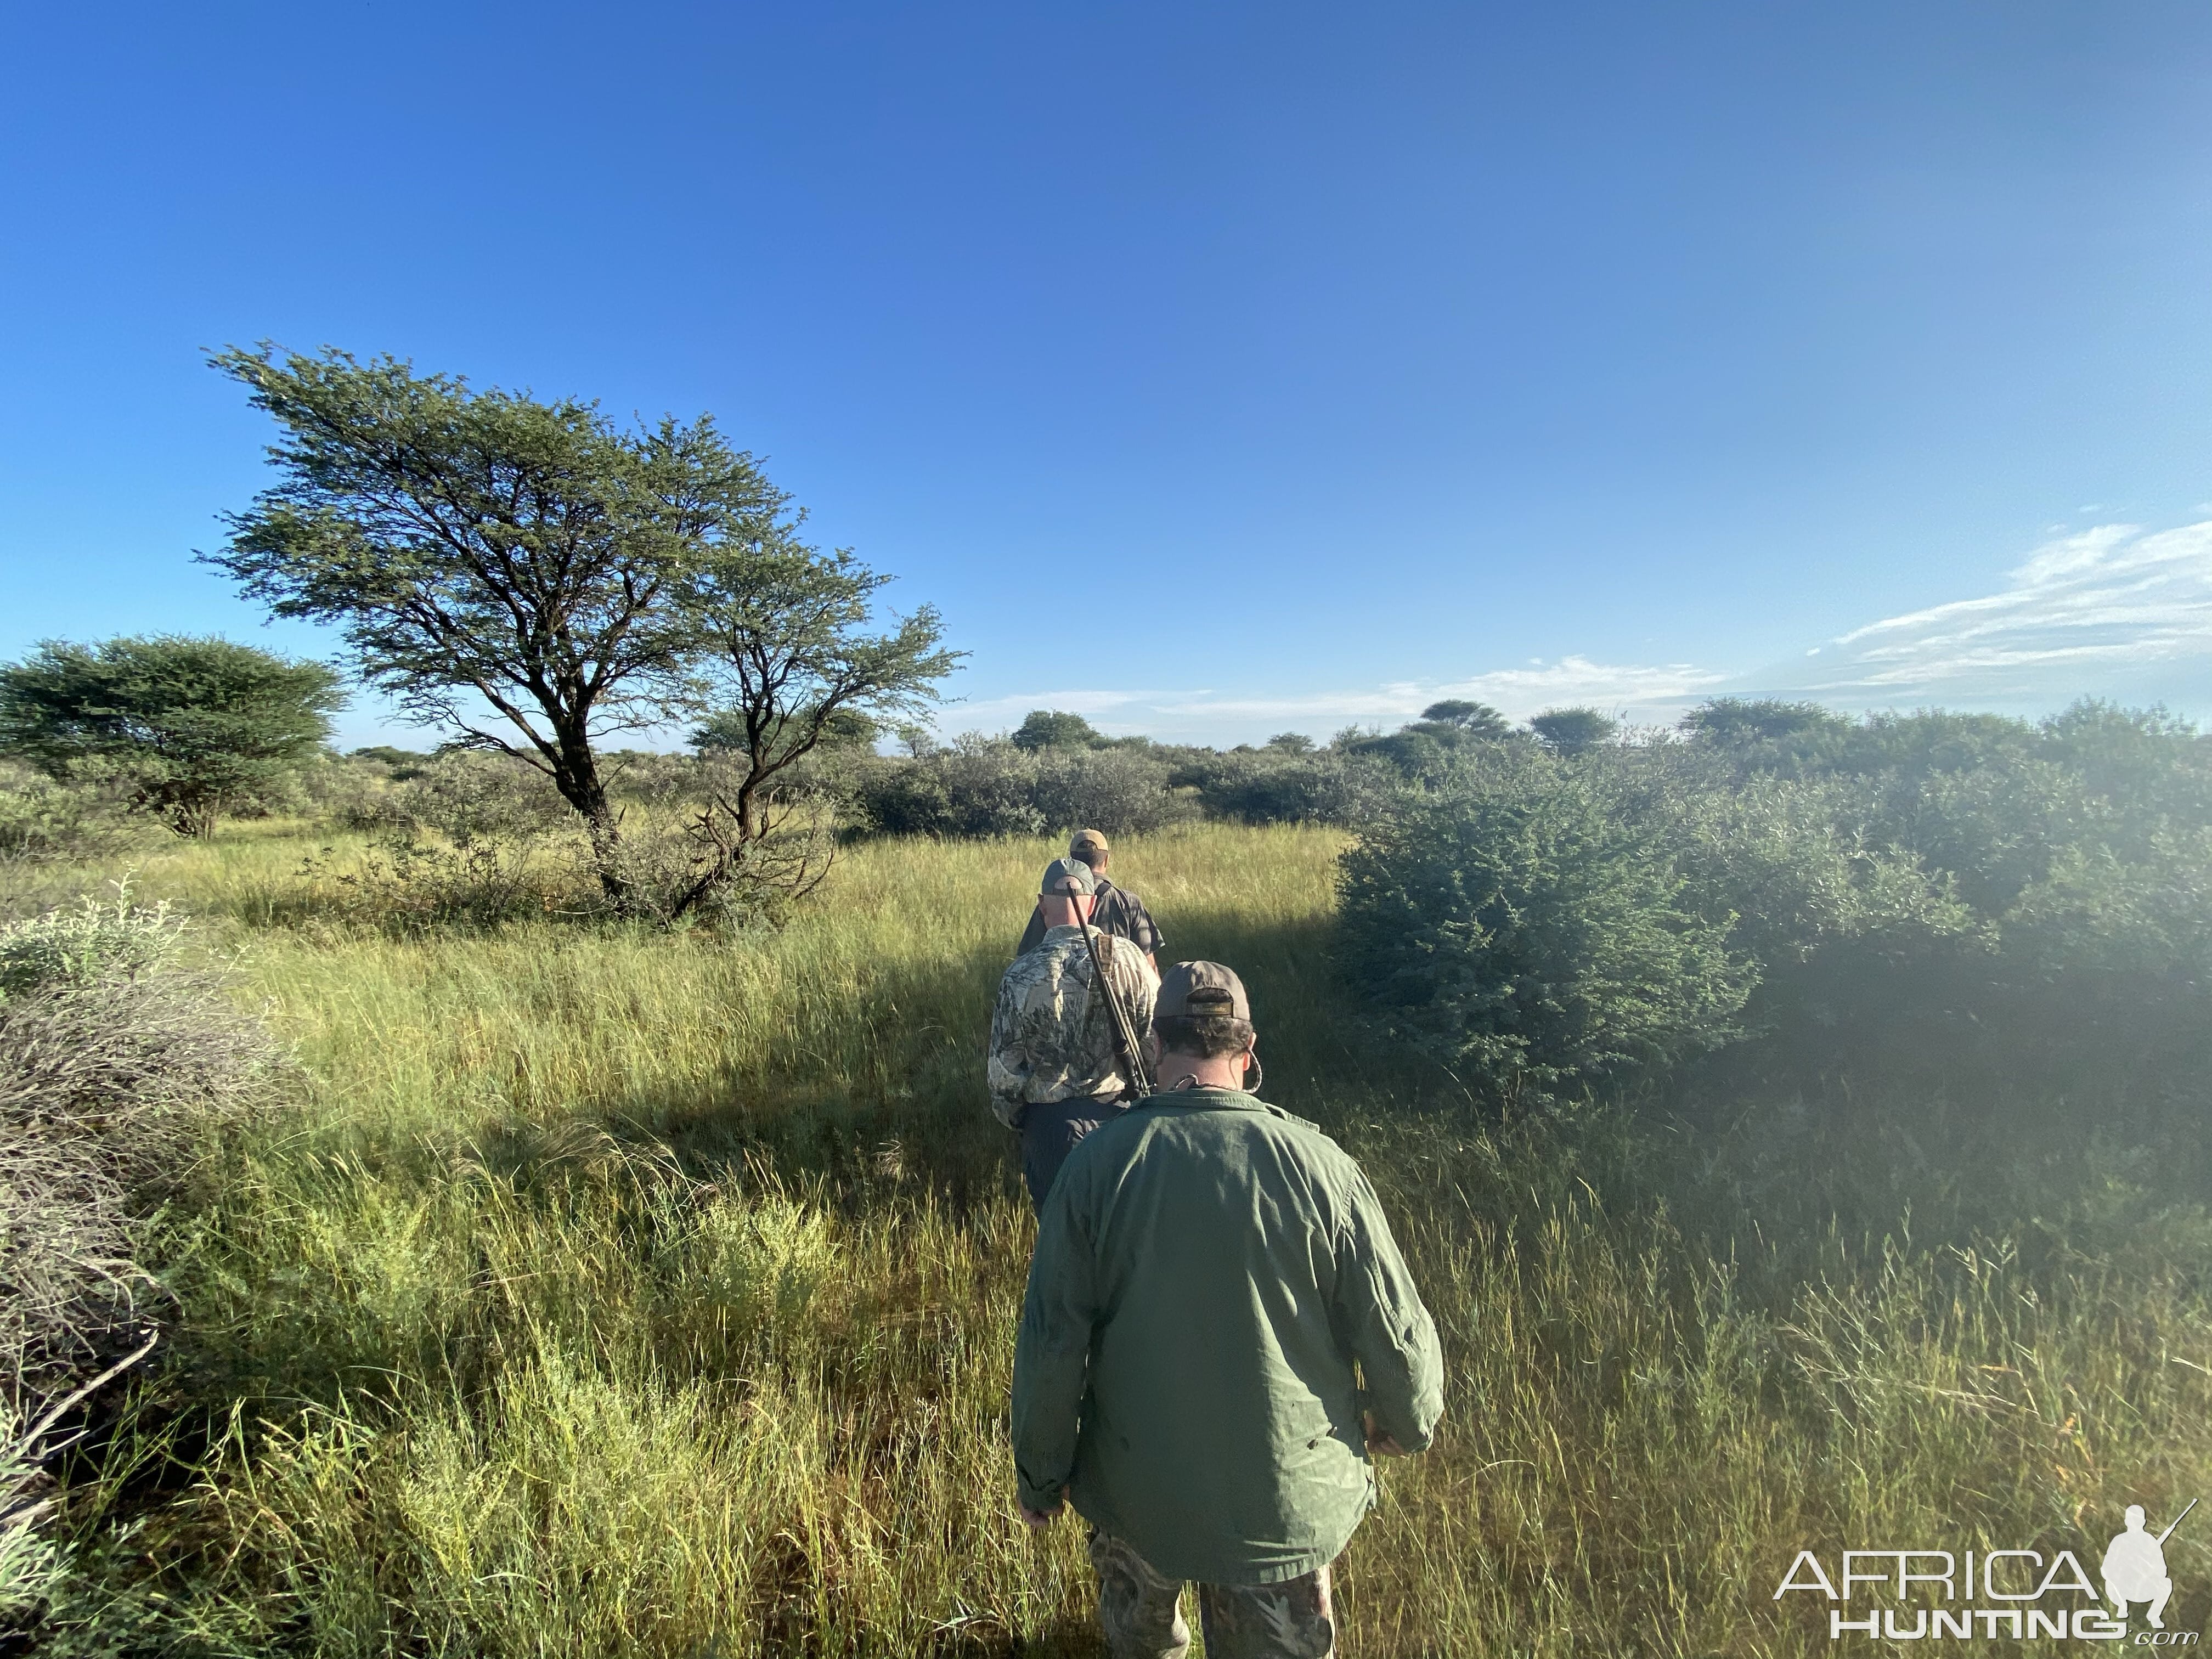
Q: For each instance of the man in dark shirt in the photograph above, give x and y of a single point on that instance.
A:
(1116, 910)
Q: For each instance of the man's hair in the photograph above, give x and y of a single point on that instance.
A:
(1203, 1036)
(1094, 856)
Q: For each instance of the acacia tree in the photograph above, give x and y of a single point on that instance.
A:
(1477, 719)
(785, 649)
(1424, 747)
(507, 568)
(1052, 728)
(190, 727)
(1573, 731)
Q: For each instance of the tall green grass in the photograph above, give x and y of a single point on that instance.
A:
(615, 1292)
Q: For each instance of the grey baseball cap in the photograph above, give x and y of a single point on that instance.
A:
(1065, 877)
(1194, 989)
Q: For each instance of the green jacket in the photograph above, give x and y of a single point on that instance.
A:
(1208, 1268)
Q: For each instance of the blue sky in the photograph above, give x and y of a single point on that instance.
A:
(1327, 360)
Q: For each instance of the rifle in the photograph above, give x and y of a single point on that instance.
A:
(2177, 1520)
(1124, 1030)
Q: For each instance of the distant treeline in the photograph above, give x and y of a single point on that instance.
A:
(1536, 906)
(1053, 772)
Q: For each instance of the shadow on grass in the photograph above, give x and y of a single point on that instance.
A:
(880, 1100)
(885, 1099)
(1072, 1638)
(1949, 1109)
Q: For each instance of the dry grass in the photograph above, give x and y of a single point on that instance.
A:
(614, 1293)
(116, 1060)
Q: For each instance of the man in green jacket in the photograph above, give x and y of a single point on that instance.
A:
(1208, 1271)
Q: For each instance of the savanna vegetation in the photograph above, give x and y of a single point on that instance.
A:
(535, 1197)
(1797, 1127)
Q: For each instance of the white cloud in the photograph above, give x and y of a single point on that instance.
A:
(1645, 693)
(990, 713)
(2111, 611)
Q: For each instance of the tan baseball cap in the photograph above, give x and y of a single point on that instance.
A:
(1067, 878)
(1192, 990)
(1086, 841)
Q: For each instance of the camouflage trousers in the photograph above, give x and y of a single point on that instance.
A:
(1142, 1611)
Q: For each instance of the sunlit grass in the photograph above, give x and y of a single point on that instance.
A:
(617, 1292)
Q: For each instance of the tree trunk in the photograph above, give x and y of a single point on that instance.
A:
(576, 775)
(194, 818)
(606, 856)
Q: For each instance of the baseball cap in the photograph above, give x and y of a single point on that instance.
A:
(1195, 989)
(1091, 839)
(1065, 877)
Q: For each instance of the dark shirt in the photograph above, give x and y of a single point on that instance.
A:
(1116, 910)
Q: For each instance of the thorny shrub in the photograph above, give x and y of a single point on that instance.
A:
(114, 1056)
(44, 821)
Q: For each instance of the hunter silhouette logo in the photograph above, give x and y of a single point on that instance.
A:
(2135, 1567)
(1908, 1595)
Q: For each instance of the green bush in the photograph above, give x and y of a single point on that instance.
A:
(82, 944)
(468, 797)
(2098, 917)
(1512, 924)
(44, 821)
(984, 787)
(1120, 791)
(903, 797)
(1282, 785)
(340, 788)
(1982, 882)
(407, 887)
(1430, 750)
(1792, 862)
(990, 788)
(2144, 761)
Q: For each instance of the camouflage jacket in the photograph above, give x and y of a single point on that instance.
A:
(1051, 1038)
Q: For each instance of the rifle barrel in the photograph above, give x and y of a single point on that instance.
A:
(2177, 1521)
(1124, 1030)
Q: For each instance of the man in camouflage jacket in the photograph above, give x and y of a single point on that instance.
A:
(1056, 1069)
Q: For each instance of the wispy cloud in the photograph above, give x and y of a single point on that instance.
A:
(1642, 692)
(1518, 692)
(2112, 612)
(990, 713)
